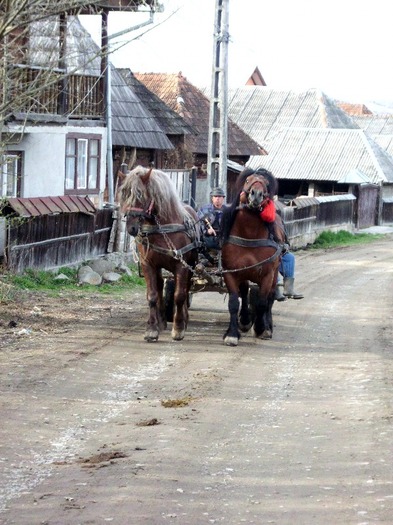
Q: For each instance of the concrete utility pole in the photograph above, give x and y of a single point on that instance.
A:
(218, 118)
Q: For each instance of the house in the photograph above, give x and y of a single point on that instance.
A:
(380, 128)
(313, 146)
(137, 136)
(75, 128)
(54, 138)
(174, 126)
(194, 107)
(53, 142)
(256, 79)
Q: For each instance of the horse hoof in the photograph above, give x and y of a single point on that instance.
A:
(231, 341)
(266, 334)
(178, 335)
(245, 327)
(151, 337)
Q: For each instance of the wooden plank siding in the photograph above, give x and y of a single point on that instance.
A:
(50, 241)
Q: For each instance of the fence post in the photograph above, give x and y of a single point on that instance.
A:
(193, 179)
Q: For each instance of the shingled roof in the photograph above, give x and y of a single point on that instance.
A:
(132, 124)
(83, 55)
(170, 121)
(262, 111)
(325, 155)
(191, 104)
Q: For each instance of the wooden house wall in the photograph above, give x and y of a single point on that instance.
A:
(50, 241)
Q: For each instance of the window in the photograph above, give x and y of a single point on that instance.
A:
(10, 175)
(82, 171)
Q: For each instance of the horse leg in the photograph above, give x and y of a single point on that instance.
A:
(180, 316)
(152, 329)
(245, 322)
(232, 335)
(269, 314)
(263, 324)
(162, 324)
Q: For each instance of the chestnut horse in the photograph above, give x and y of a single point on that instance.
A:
(167, 238)
(249, 253)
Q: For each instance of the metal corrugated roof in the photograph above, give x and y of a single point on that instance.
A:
(342, 197)
(385, 142)
(375, 124)
(324, 155)
(303, 202)
(355, 177)
(36, 206)
(262, 112)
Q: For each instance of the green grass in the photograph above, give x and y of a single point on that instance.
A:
(330, 239)
(45, 281)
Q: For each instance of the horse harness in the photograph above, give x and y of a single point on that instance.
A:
(145, 230)
(255, 243)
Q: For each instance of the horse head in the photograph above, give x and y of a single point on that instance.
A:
(255, 192)
(136, 202)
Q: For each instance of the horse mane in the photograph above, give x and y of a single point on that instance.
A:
(159, 188)
(231, 211)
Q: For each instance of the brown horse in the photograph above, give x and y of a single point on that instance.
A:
(249, 253)
(167, 238)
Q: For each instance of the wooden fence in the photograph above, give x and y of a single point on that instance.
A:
(50, 241)
(307, 217)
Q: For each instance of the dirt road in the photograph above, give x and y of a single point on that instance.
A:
(99, 427)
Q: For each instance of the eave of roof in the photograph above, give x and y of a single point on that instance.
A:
(36, 206)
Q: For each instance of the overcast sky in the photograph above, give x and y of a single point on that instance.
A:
(343, 47)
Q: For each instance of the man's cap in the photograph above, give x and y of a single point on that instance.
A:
(217, 192)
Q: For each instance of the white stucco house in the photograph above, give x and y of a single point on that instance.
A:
(54, 138)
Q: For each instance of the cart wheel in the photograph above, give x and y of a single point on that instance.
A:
(169, 299)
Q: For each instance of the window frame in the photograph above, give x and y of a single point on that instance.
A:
(82, 138)
(17, 175)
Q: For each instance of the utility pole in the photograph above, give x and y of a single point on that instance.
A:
(218, 117)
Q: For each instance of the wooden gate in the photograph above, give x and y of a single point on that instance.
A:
(366, 214)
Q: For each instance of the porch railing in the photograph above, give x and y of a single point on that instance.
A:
(53, 91)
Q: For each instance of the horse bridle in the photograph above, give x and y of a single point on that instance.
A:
(248, 190)
(145, 213)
